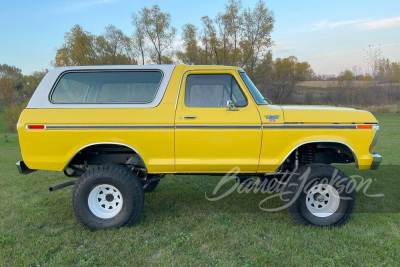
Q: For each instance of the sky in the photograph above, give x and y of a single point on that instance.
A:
(330, 35)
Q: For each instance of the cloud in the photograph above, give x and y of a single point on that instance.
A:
(381, 24)
(333, 25)
(362, 24)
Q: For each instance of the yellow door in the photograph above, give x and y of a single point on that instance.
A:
(209, 137)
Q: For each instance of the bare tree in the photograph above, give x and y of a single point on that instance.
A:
(372, 55)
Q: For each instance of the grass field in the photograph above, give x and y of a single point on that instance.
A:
(178, 226)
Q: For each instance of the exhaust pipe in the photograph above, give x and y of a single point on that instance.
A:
(56, 187)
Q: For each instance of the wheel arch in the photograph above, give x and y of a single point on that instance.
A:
(98, 144)
(332, 142)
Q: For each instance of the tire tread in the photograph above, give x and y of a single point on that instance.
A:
(321, 168)
(120, 172)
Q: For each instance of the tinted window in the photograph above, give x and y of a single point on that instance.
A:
(70, 91)
(107, 87)
(213, 90)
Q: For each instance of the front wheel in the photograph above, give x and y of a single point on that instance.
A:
(107, 196)
(321, 195)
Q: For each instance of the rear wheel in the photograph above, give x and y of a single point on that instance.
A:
(321, 195)
(107, 196)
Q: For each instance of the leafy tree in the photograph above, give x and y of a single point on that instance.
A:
(138, 39)
(79, 48)
(10, 72)
(191, 54)
(7, 89)
(11, 115)
(257, 27)
(210, 42)
(31, 82)
(114, 47)
(10, 80)
(167, 59)
(346, 75)
(157, 28)
(346, 79)
(367, 78)
(394, 76)
(222, 23)
(233, 21)
(84, 48)
(281, 76)
(236, 37)
(387, 72)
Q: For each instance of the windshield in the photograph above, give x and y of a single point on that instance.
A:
(260, 100)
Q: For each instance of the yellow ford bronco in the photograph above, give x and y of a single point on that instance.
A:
(120, 129)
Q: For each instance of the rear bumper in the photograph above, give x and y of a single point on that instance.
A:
(377, 159)
(22, 168)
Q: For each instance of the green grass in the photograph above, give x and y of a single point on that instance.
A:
(178, 226)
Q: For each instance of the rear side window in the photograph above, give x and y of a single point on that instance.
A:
(106, 87)
(213, 90)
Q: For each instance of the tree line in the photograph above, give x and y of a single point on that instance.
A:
(15, 91)
(238, 36)
(374, 86)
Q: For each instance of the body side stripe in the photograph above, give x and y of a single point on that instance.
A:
(203, 126)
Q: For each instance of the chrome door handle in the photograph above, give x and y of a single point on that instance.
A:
(190, 117)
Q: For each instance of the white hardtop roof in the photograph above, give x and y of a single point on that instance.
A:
(115, 67)
(40, 99)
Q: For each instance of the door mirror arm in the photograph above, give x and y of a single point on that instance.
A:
(231, 106)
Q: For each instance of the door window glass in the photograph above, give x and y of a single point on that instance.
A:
(213, 90)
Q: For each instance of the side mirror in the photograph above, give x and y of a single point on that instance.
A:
(231, 106)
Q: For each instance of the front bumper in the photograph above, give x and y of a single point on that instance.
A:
(23, 169)
(377, 159)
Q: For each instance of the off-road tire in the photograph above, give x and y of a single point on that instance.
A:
(298, 209)
(117, 176)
